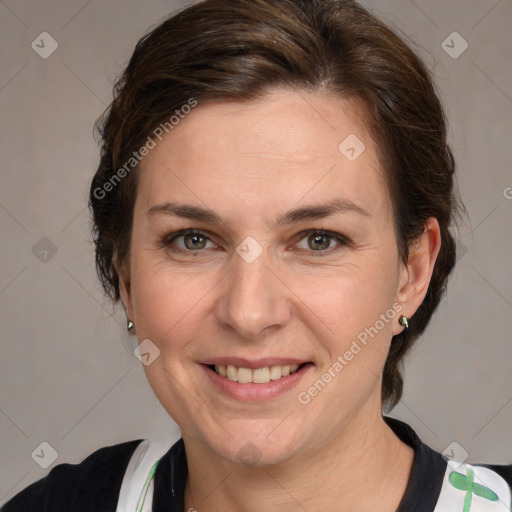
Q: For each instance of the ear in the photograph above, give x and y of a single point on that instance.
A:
(123, 271)
(416, 274)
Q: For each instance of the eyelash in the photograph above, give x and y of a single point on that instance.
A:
(167, 240)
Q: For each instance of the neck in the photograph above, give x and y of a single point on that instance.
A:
(366, 455)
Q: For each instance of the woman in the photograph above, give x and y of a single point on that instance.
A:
(272, 207)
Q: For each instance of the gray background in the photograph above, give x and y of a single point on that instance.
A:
(68, 375)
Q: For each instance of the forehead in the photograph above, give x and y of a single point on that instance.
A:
(286, 148)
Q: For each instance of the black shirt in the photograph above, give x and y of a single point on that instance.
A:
(94, 484)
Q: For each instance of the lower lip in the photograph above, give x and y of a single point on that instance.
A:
(251, 392)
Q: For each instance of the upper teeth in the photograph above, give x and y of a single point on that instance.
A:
(258, 376)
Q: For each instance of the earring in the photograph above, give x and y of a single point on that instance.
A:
(129, 325)
(404, 321)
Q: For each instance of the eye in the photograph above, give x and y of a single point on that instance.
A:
(321, 240)
(195, 240)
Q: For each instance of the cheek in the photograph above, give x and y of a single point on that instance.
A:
(168, 312)
(164, 300)
(351, 296)
(357, 305)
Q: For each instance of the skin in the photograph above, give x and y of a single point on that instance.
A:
(250, 162)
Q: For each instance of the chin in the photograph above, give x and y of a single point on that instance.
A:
(256, 449)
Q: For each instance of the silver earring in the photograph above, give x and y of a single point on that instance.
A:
(404, 321)
(129, 325)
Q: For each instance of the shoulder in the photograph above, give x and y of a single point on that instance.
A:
(440, 483)
(92, 484)
(505, 471)
(484, 487)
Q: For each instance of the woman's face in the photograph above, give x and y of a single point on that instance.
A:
(261, 287)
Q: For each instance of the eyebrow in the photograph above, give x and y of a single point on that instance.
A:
(320, 211)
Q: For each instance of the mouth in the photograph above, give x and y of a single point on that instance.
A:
(258, 383)
(255, 380)
(262, 375)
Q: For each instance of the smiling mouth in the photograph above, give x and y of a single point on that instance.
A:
(257, 375)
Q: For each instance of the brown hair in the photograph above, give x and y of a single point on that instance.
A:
(237, 50)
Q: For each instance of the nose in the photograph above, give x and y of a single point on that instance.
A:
(255, 299)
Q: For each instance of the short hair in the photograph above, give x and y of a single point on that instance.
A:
(221, 50)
